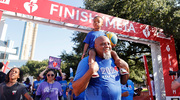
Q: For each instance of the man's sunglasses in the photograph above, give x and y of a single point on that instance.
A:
(50, 75)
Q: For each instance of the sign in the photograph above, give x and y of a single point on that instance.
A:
(54, 63)
(74, 15)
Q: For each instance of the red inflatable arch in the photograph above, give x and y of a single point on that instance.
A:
(64, 16)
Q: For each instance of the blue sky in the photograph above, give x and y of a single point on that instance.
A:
(51, 41)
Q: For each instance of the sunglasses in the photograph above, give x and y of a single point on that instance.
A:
(50, 75)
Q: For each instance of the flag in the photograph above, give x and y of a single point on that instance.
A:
(6, 66)
(71, 72)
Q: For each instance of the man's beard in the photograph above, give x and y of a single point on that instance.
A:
(107, 55)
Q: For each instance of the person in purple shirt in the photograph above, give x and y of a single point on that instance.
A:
(58, 78)
(108, 85)
(49, 89)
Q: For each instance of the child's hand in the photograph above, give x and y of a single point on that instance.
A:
(113, 45)
(94, 66)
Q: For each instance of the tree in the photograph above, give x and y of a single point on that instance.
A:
(70, 61)
(163, 14)
(158, 13)
(33, 68)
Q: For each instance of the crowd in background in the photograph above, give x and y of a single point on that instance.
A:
(48, 85)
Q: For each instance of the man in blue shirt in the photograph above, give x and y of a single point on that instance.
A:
(107, 86)
(64, 86)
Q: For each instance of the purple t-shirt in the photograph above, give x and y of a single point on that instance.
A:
(51, 91)
(91, 36)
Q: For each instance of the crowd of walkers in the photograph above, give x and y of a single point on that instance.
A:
(47, 86)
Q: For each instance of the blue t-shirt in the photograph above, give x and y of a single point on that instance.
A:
(70, 87)
(80, 97)
(91, 36)
(107, 86)
(129, 86)
(36, 84)
(64, 87)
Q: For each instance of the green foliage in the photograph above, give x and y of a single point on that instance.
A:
(78, 41)
(164, 14)
(33, 68)
(69, 61)
(158, 13)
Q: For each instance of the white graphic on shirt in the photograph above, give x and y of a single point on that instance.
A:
(108, 72)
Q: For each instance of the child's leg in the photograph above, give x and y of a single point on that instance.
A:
(119, 62)
(115, 56)
(92, 54)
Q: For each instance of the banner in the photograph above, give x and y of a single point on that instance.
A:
(54, 63)
(64, 13)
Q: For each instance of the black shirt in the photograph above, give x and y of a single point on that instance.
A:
(15, 92)
(2, 77)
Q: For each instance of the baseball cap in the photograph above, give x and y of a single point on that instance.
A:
(150, 75)
(64, 73)
(71, 77)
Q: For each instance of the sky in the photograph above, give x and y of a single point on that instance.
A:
(50, 41)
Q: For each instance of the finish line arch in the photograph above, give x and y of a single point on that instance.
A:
(64, 16)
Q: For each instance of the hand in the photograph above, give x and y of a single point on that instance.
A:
(113, 45)
(60, 70)
(125, 94)
(46, 67)
(94, 66)
(176, 76)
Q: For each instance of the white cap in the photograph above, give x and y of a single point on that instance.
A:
(71, 77)
(150, 75)
(64, 73)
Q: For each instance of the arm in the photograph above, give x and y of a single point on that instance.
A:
(42, 73)
(85, 49)
(60, 71)
(175, 84)
(81, 84)
(120, 63)
(124, 78)
(72, 95)
(33, 89)
(28, 97)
